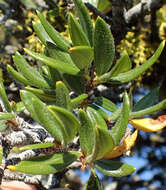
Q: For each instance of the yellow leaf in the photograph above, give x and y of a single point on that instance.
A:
(125, 146)
(148, 124)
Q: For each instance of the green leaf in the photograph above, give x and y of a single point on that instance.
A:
(103, 5)
(17, 76)
(59, 65)
(103, 144)
(114, 168)
(59, 40)
(41, 33)
(100, 110)
(6, 116)
(122, 65)
(106, 104)
(93, 182)
(18, 107)
(136, 72)
(4, 97)
(55, 52)
(36, 146)
(147, 101)
(85, 19)
(76, 83)
(86, 133)
(70, 122)
(33, 76)
(62, 96)
(75, 102)
(117, 132)
(77, 35)
(82, 56)
(42, 115)
(96, 118)
(44, 94)
(157, 107)
(47, 164)
(26, 98)
(104, 48)
(115, 115)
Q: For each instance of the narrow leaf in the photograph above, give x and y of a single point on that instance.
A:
(96, 118)
(70, 122)
(33, 76)
(119, 129)
(93, 182)
(106, 104)
(41, 33)
(59, 65)
(82, 56)
(62, 96)
(157, 107)
(85, 19)
(75, 102)
(6, 116)
(48, 120)
(77, 35)
(86, 133)
(75, 82)
(136, 72)
(121, 66)
(17, 76)
(103, 144)
(147, 101)
(104, 49)
(59, 40)
(36, 146)
(44, 95)
(55, 52)
(47, 164)
(114, 168)
(4, 98)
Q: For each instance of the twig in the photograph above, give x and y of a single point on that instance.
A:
(142, 8)
(96, 12)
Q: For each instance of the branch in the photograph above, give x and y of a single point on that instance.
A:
(141, 9)
(96, 12)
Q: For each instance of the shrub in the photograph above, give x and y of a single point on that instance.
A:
(60, 96)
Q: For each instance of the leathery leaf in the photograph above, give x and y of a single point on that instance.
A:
(114, 168)
(17, 76)
(104, 49)
(93, 182)
(32, 75)
(6, 116)
(119, 129)
(96, 118)
(70, 122)
(48, 120)
(46, 164)
(62, 96)
(77, 35)
(55, 63)
(59, 40)
(37, 146)
(86, 133)
(85, 19)
(136, 72)
(103, 144)
(82, 56)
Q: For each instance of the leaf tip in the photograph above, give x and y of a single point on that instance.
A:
(12, 168)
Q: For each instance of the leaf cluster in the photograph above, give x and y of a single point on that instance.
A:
(77, 67)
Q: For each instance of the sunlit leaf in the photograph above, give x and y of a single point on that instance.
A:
(114, 168)
(46, 164)
(104, 49)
